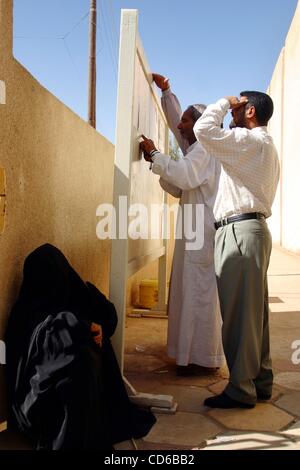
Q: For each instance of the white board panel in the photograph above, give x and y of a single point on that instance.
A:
(138, 112)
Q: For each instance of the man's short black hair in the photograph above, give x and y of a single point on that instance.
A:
(263, 104)
(196, 111)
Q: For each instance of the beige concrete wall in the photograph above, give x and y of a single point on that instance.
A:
(285, 90)
(290, 136)
(275, 128)
(58, 170)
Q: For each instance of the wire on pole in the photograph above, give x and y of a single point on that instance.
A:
(92, 65)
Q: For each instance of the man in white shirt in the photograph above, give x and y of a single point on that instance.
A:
(248, 182)
(194, 320)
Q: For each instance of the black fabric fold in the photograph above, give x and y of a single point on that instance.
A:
(64, 391)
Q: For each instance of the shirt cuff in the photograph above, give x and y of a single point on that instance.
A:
(166, 92)
(224, 104)
(153, 153)
(160, 163)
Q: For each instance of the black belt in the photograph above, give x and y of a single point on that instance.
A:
(237, 218)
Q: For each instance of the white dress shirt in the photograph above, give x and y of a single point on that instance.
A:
(250, 166)
(173, 112)
(190, 172)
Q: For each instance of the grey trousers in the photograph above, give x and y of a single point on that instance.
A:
(242, 254)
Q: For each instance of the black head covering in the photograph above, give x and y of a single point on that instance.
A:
(51, 285)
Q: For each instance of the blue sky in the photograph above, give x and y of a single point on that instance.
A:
(208, 48)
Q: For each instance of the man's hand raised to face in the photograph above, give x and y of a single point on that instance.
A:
(236, 102)
(161, 81)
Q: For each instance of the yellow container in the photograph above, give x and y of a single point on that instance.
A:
(148, 293)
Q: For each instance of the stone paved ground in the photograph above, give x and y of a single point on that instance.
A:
(270, 425)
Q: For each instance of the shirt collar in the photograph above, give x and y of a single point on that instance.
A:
(191, 147)
(260, 129)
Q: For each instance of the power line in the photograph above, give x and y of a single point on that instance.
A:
(114, 29)
(92, 81)
(107, 28)
(100, 50)
(63, 39)
(37, 37)
(110, 46)
(56, 37)
(76, 25)
(70, 56)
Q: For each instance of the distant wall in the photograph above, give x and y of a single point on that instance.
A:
(285, 128)
(58, 170)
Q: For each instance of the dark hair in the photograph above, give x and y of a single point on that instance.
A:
(263, 104)
(196, 111)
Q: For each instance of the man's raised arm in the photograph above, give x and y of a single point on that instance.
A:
(171, 108)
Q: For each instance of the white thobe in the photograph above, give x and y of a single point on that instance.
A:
(194, 320)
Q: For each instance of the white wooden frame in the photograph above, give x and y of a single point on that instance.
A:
(130, 49)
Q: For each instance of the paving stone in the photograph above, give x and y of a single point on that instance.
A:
(187, 429)
(152, 382)
(264, 417)
(285, 321)
(290, 380)
(218, 387)
(126, 445)
(166, 375)
(153, 343)
(143, 445)
(287, 284)
(3, 426)
(293, 431)
(277, 391)
(290, 402)
(250, 441)
(189, 381)
(189, 399)
(290, 304)
(283, 365)
(136, 363)
(144, 382)
(285, 329)
(151, 371)
(224, 372)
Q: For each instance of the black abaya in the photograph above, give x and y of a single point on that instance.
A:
(64, 390)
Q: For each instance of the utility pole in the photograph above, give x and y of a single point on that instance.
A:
(92, 64)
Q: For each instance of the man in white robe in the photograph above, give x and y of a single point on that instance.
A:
(194, 325)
